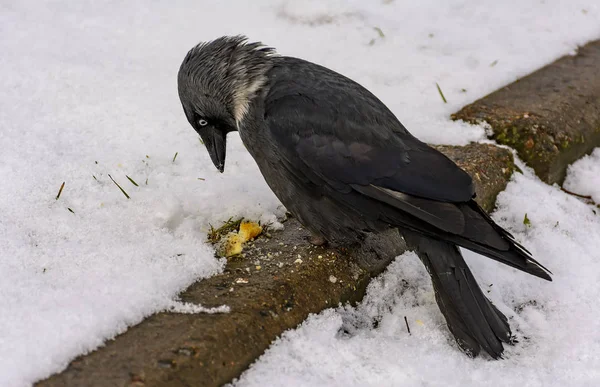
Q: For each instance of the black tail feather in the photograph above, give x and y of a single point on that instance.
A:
(513, 257)
(473, 320)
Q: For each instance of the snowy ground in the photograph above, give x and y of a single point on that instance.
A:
(88, 89)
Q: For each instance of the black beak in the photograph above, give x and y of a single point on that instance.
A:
(215, 142)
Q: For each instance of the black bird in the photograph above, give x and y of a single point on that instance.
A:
(349, 171)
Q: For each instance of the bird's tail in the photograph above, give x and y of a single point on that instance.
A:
(473, 320)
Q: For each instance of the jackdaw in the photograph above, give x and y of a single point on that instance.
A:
(343, 164)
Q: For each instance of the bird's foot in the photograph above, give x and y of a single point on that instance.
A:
(317, 240)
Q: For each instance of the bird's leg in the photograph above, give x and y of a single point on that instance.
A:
(317, 240)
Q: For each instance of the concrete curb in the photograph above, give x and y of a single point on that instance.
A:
(551, 117)
(279, 282)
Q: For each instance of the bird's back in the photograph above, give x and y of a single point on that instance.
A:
(351, 135)
(333, 92)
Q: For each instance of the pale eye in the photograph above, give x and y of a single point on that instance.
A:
(202, 122)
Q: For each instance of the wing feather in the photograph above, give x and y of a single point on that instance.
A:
(338, 130)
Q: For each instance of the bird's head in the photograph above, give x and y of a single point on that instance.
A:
(217, 81)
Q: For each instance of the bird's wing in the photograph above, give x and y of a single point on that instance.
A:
(319, 145)
(330, 126)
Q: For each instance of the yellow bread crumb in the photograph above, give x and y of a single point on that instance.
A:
(249, 230)
(233, 243)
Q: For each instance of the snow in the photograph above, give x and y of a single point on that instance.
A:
(582, 175)
(88, 89)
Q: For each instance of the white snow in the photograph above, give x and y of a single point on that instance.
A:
(583, 176)
(88, 81)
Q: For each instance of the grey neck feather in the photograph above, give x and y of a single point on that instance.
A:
(229, 70)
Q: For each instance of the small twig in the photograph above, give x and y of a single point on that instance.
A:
(174, 157)
(588, 197)
(441, 94)
(407, 327)
(201, 178)
(60, 190)
(70, 210)
(131, 180)
(117, 184)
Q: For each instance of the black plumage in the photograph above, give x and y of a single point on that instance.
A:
(344, 165)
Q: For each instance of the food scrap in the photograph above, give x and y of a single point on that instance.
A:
(232, 243)
(249, 230)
